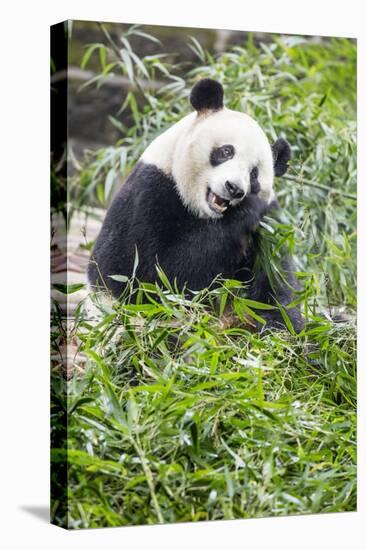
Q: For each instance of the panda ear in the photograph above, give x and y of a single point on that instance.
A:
(281, 155)
(207, 94)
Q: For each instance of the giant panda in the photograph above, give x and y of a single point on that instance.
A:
(193, 203)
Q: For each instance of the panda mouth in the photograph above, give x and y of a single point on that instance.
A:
(216, 203)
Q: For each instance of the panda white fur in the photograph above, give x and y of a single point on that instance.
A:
(193, 204)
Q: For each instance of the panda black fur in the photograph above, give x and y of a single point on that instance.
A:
(193, 204)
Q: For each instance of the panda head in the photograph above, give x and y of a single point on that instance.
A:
(217, 156)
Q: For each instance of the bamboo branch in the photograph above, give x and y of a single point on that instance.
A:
(117, 81)
(110, 40)
(320, 186)
(116, 51)
(149, 478)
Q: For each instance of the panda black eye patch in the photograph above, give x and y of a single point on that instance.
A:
(254, 183)
(221, 154)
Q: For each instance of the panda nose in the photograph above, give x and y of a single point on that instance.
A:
(234, 191)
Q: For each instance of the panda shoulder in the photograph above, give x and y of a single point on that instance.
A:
(150, 193)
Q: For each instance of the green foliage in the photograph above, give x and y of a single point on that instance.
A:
(180, 416)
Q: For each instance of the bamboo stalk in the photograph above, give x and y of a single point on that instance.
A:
(320, 186)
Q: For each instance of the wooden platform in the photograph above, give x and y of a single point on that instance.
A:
(70, 251)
